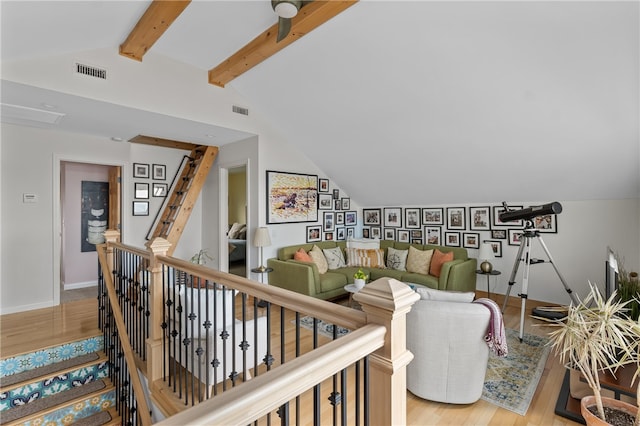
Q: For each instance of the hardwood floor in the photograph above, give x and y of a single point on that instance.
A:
(26, 331)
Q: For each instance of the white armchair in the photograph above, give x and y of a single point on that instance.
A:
(450, 353)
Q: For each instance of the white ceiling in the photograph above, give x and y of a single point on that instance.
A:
(400, 103)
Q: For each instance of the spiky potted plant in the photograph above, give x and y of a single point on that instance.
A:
(200, 258)
(595, 337)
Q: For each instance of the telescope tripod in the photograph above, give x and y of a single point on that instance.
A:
(524, 255)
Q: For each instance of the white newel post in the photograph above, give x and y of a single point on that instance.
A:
(157, 247)
(387, 301)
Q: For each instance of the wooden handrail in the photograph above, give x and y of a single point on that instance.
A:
(143, 407)
(266, 392)
(327, 311)
(143, 253)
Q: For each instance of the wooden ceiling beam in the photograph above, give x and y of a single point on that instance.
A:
(166, 143)
(154, 22)
(311, 16)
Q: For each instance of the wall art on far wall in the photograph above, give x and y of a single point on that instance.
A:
(479, 218)
(496, 246)
(452, 239)
(546, 223)
(94, 214)
(393, 217)
(159, 172)
(403, 235)
(329, 221)
(371, 217)
(141, 208)
(141, 191)
(350, 218)
(159, 190)
(515, 237)
(433, 216)
(432, 235)
(456, 218)
(326, 201)
(291, 197)
(140, 170)
(471, 240)
(497, 210)
(314, 233)
(323, 185)
(412, 218)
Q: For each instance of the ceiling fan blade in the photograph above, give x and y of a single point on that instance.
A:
(284, 26)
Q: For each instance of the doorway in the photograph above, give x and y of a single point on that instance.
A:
(90, 203)
(237, 220)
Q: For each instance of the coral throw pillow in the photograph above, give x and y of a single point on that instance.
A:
(318, 258)
(439, 258)
(418, 261)
(302, 256)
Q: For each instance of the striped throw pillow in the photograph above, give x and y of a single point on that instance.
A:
(368, 258)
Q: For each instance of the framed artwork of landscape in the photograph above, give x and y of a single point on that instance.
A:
(291, 197)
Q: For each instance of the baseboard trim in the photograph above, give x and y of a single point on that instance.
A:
(76, 286)
(22, 308)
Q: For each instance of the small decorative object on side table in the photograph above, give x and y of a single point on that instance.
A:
(488, 274)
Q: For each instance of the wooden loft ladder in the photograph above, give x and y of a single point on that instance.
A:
(185, 189)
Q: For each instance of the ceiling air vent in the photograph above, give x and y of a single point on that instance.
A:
(240, 110)
(91, 71)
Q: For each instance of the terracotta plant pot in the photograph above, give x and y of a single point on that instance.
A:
(593, 419)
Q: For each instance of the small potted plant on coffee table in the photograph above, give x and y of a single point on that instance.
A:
(593, 338)
(359, 279)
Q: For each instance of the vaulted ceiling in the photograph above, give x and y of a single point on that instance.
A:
(416, 102)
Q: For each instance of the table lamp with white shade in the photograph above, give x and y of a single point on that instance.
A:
(262, 239)
(486, 254)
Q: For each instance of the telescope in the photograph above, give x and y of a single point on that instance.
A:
(530, 212)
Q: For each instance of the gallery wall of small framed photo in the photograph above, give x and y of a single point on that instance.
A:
(496, 246)
(351, 232)
(392, 217)
(366, 232)
(403, 235)
(389, 234)
(141, 170)
(141, 208)
(339, 218)
(499, 234)
(159, 172)
(325, 201)
(336, 194)
(547, 223)
(515, 236)
(412, 218)
(452, 239)
(141, 191)
(159, 190)
(323, 185)
(376, 232)
(497, 210)
(314, 233)
(433, 235)
(416, 236)
(371, 217)
(471, 240)
(337, 205)
(350, 218)
(341, 233)
(456, 218)
(346, 203)
(433, 216)
(479, 218)
(328, 236)
(329, 221)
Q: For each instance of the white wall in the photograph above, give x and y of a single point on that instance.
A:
(31, 164)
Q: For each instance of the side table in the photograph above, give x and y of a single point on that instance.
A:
(261, 272)
(352, 289)
(488, 274)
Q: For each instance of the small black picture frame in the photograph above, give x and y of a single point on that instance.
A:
(159, 172)
(496, 246)
(141, 170)
(336, 194)
(159, 190)
(140, 208)
(323, 185)
(314, 233)
(141, 191)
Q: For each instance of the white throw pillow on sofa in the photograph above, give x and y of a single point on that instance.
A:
(335, 258)
(318, 258)
(397, 259)
(445, 296)
(364, 243)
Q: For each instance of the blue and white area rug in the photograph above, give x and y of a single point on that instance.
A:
(511, 382)
(323, 328)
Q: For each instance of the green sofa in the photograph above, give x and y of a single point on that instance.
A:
(303, 277)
